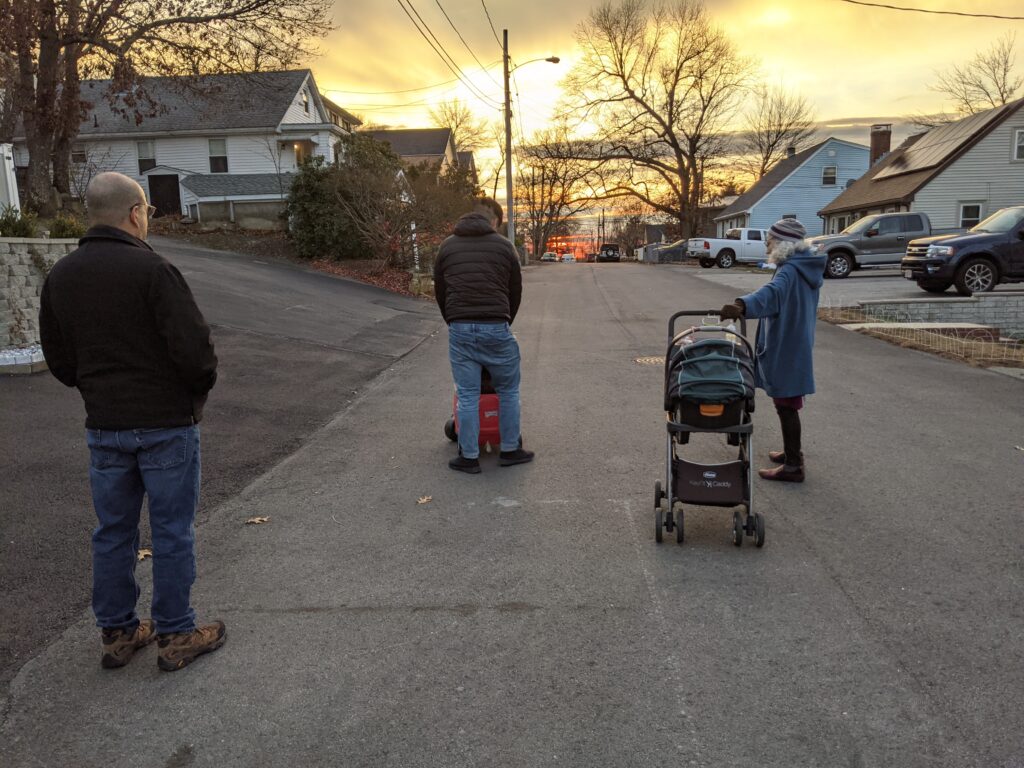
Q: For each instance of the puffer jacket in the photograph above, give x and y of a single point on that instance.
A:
(477, 275)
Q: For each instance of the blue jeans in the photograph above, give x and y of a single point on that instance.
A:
(126, 465)
(472, 346)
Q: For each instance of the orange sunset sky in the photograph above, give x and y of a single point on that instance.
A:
(849, 61)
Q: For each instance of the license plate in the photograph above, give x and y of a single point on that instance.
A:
(907, 274)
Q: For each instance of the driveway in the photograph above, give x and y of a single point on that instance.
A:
(393, 613)
(294, 346)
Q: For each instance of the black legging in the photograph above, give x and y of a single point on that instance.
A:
(789, 418)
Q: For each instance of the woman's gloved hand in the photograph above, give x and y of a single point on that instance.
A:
(732, 311)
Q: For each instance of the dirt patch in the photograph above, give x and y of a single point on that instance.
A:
(274, 244)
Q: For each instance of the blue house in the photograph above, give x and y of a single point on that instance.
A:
(798, 186)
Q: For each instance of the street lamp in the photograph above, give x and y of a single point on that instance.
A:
(509, 201)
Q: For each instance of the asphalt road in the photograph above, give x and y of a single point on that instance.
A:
(294, 347)
(525, 616)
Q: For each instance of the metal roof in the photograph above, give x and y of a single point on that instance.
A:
(204, 185)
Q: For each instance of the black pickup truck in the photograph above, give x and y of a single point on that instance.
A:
(976, 261)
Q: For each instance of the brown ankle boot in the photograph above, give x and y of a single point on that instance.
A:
(785, 473)
(779, 457)
(180, 649)
(119, 645)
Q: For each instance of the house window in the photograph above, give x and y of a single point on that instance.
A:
(970, 214)
(147, 156)
(78, 156)
(305, 102)
(218, 155)
(828, 176)
(1018, 144)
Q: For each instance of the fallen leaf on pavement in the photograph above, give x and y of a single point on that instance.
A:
(144, 552)
(257, 520)
(1019, 447)
(424, 499)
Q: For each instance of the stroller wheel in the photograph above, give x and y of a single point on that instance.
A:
(679, 524)
(758, 529)
(449, 430)
(659, 524)
(737, 528)
(658, 494)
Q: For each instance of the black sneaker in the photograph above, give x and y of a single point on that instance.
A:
(462, 464)
(518, 456)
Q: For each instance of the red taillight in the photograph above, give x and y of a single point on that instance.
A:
(707, 245)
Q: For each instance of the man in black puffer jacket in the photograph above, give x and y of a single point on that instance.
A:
(118, 322)
(478, 286)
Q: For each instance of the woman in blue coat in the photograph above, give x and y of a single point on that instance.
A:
(787, 307)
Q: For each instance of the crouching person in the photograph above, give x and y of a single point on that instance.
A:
(118, 322)
(787, 307)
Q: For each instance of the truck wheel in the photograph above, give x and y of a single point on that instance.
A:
(934, 286)
(726, 258)
(707, 263)
(975, 276)
(839, 266)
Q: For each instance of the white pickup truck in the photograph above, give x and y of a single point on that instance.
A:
(737, 245)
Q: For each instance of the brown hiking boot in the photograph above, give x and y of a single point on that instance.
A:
(180, 649)
(119, 645)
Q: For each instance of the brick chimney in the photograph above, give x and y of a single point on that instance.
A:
(881, 141)
(790, 151)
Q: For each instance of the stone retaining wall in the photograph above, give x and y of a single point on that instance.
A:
(1000, 310)
(24, 264)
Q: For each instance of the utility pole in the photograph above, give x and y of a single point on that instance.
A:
(510, 204)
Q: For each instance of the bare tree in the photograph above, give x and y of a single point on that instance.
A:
(469, 133)
(497, 167)
(988, 80)
(93, 162)
(552, 185)
(662, 82)
(775, 122)
(58, 42)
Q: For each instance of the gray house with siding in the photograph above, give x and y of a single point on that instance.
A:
(958, 173)
(797, 186)
(219, 148)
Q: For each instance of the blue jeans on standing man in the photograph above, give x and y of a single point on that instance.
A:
(125, 466)
(490, 345)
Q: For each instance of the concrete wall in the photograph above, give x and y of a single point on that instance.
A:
(1004, 311)
(24, 265)
(249, 214)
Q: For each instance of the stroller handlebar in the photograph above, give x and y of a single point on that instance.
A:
(704, 313)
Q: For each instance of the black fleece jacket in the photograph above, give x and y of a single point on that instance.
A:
(119, 322)
(477, 274)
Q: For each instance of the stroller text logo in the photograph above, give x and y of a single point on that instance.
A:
(710, 481)
(710, 475)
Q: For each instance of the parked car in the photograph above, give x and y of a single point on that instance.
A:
(549, 256)
(975, 261)
(741, 244)
(608, 252)
(671, 253)
(879, 240)
(568, 258)
(591, 258)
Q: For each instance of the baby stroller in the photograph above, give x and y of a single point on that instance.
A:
(490, 434)
(709, 387)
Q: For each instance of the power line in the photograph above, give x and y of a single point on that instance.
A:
(408, 90)
(493, 30)
(452, 24)
(938, 13)
(448, 61)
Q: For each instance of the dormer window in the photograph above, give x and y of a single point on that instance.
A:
(305, 101)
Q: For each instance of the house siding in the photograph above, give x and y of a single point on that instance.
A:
(985, 174)
(802, 194)
(297, 114)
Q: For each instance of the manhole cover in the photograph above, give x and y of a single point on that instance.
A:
(650, 360)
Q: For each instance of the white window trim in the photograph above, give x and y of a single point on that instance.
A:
(1018, 145)
(139, 158)
(835, 175)
(210, 155)
(960, 211)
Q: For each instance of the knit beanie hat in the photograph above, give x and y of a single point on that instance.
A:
(788, 230)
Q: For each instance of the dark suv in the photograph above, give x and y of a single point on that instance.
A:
(608, 252)
(976, 261)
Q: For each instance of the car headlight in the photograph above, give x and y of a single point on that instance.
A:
(941, 250)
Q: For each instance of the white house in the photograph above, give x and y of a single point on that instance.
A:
(958, 173)
(220, 148)
(797, 186)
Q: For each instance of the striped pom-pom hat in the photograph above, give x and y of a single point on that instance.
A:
(789, 230)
